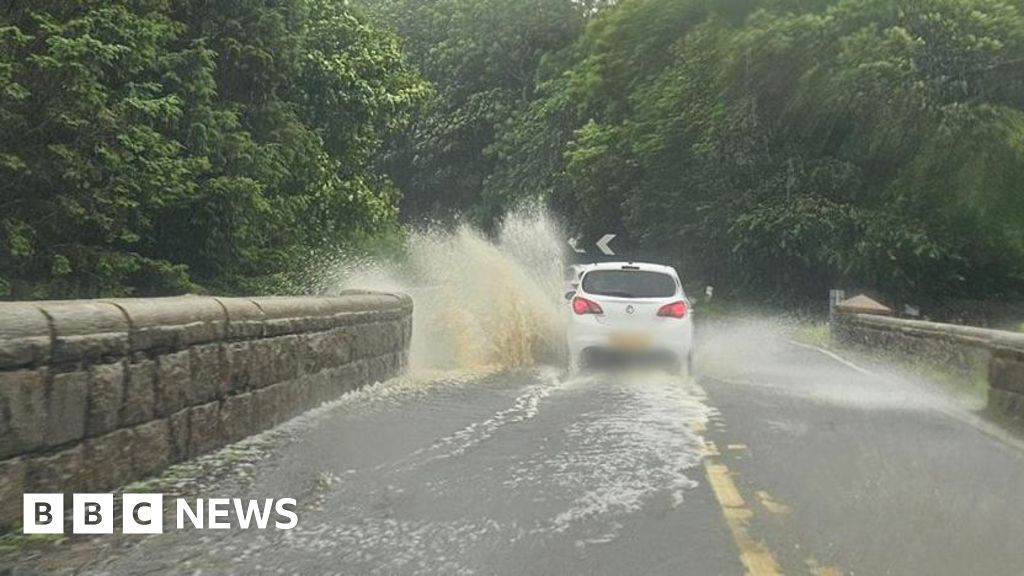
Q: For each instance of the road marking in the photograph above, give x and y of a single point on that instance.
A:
(754, 555)
(835, 357)
(725, 489)
(770, 504)
(819, 570)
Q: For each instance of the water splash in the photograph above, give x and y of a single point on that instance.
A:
(478, 301)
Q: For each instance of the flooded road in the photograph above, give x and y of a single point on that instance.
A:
(776, 459)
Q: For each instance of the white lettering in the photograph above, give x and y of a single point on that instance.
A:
(253, 511)
(218, 508)
(185, 510)
(282, 511)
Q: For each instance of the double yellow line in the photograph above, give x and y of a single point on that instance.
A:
(755, 555)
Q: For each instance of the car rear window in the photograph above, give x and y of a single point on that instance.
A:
(629, 284)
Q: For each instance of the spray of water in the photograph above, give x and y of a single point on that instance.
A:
(478, 301)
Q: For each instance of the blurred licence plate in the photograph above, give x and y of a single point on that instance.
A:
(630, 341)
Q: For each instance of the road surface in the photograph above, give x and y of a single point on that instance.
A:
(777, 459)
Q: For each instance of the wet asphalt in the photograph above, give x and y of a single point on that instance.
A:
(776, 459)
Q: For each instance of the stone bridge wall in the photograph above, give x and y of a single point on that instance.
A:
(999, 354)
(98, 393)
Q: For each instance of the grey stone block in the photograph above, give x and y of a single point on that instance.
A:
(24, 334)
(1006, 402)
(174, 377)
(1006, 374)
(322, 389)
(179, 435)
(261, 417)
(236, 418)
(383, 367)
(288, 314)
(336, 348)
(151, 451)
(173, 323)
(22, 411)
(261, 358)
(407, 328)
(66, 408)
(267, 410)
(370, 340)
(295, 398)
(108, 460)
(310, 358)
(358, 337)
(13, 473)
(239, 366)
(245, 319)
(204, 429)
(357, 306)
(60, 472)
(358, 375)
(209, 375)
(284, 360)
(139, 393)
(321, 350)
(86, 330)
(106, 396)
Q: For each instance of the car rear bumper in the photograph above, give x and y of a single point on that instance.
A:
(607, 341)
(609, 358)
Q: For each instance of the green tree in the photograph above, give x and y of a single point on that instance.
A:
(167, 145)
(86, 161)
(778, 148)
(482, 59)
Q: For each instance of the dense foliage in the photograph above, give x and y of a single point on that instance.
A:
(481, 57)
(773, 148)
(781, 147)
(156, 146)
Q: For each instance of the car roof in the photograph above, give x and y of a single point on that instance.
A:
(645, 266)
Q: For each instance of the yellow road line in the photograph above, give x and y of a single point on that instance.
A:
(819, 570)
(725, 489)
(710, 449)
(755, 556)
(770, 504)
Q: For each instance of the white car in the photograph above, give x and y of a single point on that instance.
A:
(629, 310)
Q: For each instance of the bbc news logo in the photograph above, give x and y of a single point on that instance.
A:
(144, 513)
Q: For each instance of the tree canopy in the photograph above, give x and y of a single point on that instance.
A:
(156, 146)
(482, 59)
(782, 147)
(774, 148)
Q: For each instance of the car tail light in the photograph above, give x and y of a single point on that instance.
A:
(673, 310)
(583, 306)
